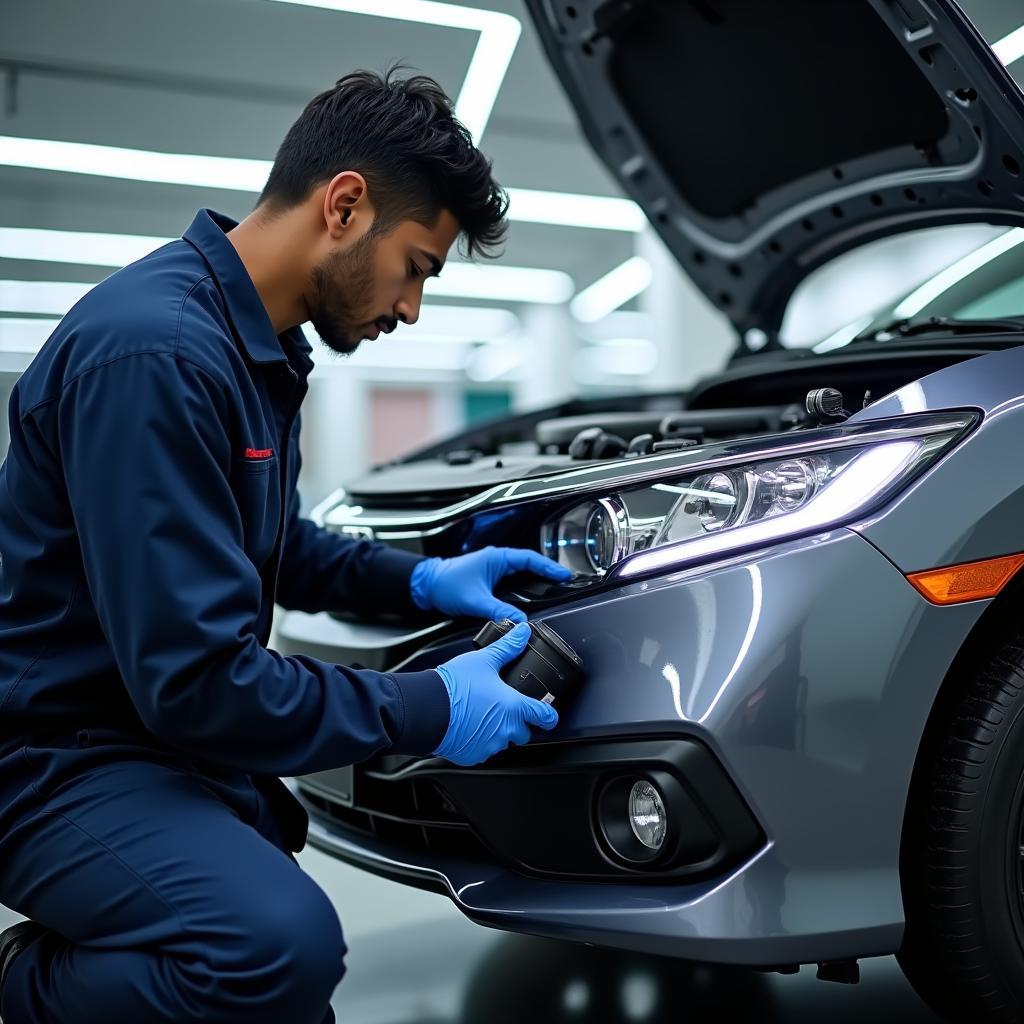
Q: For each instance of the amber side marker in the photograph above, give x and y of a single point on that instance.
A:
(968, 582)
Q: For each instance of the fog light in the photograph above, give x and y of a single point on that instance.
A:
(647, 815)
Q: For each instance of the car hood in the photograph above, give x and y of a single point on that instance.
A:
(764, 139)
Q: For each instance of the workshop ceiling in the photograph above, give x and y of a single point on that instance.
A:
(227, 77)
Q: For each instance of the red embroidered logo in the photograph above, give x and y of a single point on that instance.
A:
(258, 453)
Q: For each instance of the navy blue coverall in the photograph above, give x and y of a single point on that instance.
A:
(149, 519)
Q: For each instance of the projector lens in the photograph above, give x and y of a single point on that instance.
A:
(604, 534)
(647, 815)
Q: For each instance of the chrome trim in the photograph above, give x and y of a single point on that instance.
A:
(606, 476)
(409, 534)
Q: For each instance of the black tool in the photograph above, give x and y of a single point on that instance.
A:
(826, 404)
(548, 670)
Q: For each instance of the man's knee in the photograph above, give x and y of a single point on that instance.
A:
(300, 939)
(284, 962)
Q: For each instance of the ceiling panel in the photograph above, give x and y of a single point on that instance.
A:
(227, 77)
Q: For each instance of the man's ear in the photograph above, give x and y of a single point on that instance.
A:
(346, 203)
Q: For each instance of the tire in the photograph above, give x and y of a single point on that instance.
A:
(963, 873)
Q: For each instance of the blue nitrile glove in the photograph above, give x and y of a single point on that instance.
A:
(465, 585)
(488, 714)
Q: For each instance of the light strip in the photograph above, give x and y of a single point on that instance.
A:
(229, 172)
(499, 34)
(240, 174)
(573, 210)
(460, 323)
(617, 287)
(19, 334)
(91, 248)
(943, 281)
(495, 281)
(394, 355)
(853, 488)
(1011, 47)
(462, 280)
(49, 298)
(449, 351)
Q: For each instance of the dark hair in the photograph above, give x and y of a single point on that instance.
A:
(403, 137)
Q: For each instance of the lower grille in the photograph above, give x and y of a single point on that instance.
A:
(413, 814)
(551, 810)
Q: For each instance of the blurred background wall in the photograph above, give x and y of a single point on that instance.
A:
(119, 118)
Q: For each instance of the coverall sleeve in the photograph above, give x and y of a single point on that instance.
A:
(326, 571)
(146, 455)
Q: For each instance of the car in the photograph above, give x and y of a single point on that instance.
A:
(795, 591)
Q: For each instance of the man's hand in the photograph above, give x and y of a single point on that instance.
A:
(487, 714)
(465, 585)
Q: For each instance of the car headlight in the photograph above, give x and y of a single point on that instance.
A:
(672, 523)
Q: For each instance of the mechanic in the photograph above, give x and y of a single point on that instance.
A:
(149, 519)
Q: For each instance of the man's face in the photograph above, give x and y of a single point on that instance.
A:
(369, 287)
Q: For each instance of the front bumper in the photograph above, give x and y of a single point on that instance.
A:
(553, 810)
(806, 671)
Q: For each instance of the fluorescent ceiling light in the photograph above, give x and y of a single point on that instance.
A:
(229, 172)
(393, 354)
(50, 298)
(943, 281)
(499, 34)
(92, 248)
(239, 174)
(607, 293)
(19, 334)
(575, 211)
(465, 323)
(1010, 48)
(463, 280)
(495, 281)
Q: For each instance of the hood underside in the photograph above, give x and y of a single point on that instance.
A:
(762, 139)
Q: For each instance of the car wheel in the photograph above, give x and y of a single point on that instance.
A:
(964, 870)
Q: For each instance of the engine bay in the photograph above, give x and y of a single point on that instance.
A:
(759, 395)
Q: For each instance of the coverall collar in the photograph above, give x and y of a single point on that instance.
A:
(248, 315)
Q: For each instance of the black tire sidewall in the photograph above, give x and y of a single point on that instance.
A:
(993, 856)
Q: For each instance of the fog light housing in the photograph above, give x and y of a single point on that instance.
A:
(639, 815)
(647, 817)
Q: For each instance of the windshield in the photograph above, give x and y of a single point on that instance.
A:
(985, 284)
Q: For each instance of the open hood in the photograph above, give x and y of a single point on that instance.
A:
(762, 138)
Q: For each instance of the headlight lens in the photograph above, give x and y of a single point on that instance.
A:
(603, 540)
(672, 523)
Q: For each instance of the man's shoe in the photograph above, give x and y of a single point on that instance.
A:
(13, 940)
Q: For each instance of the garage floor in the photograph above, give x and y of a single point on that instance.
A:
(413, 959)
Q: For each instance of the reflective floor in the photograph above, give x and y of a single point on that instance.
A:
(445, 973)
(413, 959)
